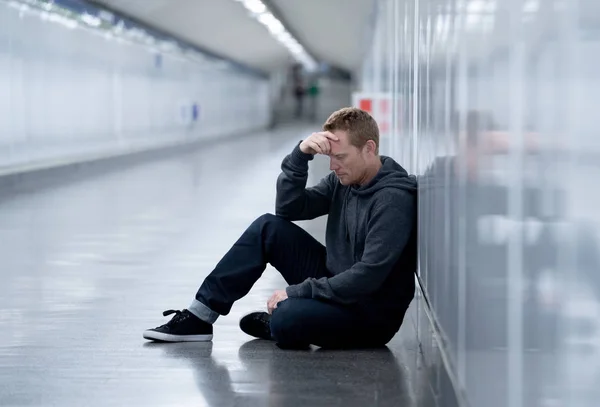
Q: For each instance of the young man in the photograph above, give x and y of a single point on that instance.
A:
(353, 292)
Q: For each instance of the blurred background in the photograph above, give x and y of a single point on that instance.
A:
(129, 127)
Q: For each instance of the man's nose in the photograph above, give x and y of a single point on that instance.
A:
(332, 165)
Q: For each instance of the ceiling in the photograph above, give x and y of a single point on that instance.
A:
(225, 28)
(333, 31)
(220, 26)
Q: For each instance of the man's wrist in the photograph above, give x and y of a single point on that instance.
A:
(298, 153)
(302, 150)
(302, 290)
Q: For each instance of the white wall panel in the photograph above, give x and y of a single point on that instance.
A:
(70, 91)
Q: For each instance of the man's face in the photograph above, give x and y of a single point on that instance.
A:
(347, 161)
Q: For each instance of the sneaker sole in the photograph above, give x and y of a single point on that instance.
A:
(158, 336)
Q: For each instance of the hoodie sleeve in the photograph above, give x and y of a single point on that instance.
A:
(294, 201)
(389, 228)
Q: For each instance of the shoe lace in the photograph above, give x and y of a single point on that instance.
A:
(264, 318)
(179, 316)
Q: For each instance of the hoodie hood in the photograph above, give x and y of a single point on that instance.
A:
(390, 175)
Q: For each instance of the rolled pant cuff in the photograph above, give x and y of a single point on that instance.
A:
(203, 312)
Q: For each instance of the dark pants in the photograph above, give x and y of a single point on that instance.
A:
(297, 256)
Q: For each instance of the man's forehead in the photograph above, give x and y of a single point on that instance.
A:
(337, 147)
(342, 134)
(342, 138)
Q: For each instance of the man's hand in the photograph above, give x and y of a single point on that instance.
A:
(279, 296)
(318, 143)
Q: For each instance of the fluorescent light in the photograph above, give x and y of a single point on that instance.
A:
(64, 21)
(284, 36)
(255, 6)
(273, 24)
(91, 20)
(260, 12)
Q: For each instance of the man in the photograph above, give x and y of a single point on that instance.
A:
(353, 292)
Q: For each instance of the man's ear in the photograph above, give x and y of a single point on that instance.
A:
(371, 147)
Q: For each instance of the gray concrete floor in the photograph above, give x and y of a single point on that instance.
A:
(88, 265)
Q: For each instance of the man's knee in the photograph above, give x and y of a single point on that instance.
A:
(267, 219)
(285, 323)
(268, 224)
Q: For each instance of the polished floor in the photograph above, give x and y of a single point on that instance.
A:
(88, 265)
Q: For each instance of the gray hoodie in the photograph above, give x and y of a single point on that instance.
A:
(370, 237)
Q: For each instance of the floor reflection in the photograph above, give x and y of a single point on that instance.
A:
(273, 377)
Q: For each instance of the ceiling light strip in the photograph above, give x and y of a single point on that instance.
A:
(259, 11)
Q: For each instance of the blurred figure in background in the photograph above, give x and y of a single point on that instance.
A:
(299, 91)
(313, 94)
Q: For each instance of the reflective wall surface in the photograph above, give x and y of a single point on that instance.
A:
(493, 107)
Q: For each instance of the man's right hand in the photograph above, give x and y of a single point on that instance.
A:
(318, 143)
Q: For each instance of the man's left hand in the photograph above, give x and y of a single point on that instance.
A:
(279, 296)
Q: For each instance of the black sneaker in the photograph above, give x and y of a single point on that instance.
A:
(257, 324)
(183, 327)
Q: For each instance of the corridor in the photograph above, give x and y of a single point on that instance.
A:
(89, 264)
